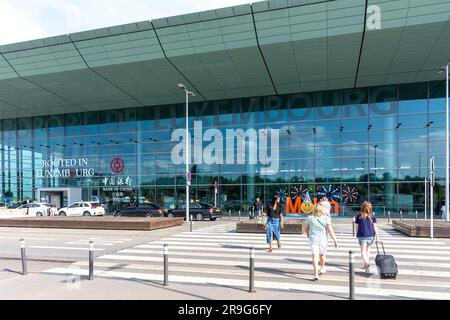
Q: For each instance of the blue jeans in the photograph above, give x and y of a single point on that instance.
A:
(273, 226)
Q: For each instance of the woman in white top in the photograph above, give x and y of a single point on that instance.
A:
(318, 226)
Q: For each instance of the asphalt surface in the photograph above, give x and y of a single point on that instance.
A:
(209, 263)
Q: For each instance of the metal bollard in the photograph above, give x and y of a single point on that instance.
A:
(166, 264)
(190, 224)
(389, 217)
(351, 275)
(251, 286)
(91, 260)
(416, 215)
(24, 257)
(401, 215)
(239, 215)
(229, 215)
(353, 226)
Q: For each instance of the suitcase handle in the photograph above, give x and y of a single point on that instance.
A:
(378, 250)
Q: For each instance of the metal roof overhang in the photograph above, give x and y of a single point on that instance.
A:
(270, 47)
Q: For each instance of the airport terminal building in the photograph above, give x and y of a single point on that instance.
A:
(302, 98)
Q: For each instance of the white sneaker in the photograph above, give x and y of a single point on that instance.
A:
(316, 277)
(322, 271)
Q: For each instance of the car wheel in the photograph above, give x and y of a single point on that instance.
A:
(149, 215)
(86, 213)
(62, 214)
(39, 214)
(212, 219)
(199, 217)
(116, 213)
(170, 215)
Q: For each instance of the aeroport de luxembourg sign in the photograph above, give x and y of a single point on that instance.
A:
(65, 168)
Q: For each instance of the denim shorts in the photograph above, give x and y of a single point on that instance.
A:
(368, 240)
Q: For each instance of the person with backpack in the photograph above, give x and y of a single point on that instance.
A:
(274, 222)
(366, 232)
(318, 227)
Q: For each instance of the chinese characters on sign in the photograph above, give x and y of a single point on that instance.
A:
(116, 181)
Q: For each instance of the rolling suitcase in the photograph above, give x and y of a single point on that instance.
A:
(387, 267)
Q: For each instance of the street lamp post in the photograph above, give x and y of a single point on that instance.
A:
(188, 175)
(445, 69)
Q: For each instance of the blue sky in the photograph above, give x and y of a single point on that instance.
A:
(22, 20)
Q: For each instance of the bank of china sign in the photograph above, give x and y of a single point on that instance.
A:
(65, 168)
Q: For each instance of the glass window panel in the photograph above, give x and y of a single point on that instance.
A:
(437, 120)
(90, 123)
(416, 121)
(378, 136)
(354, 150)
(327, 98)
(436, 134)
(327, 126)
(126, 120)
(383, 123)
(300, 107)
(355, 137)
(382, 101)
(437, 105)
(384, 197)
(56, 125)
(72, 123)
(412, 134)
(328, 139)
(252, 110)
(413, 91)
(355, 124)
(412, 106)
(328, 164)
(437, 89)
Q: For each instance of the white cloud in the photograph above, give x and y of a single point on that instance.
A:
(34, 19)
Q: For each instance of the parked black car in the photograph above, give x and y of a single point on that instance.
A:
(198, 210)
(141, 210)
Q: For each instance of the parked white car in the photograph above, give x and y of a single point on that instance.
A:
(39, 209)
(82, 208)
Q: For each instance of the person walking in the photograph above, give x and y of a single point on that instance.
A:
(326, 206)
(274, 222)
(257, 207)
(366, 232)
(443, 208)
(318, 227)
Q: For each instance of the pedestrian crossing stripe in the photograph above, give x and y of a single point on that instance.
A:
(262, 274)
(270, 285)
(294, 264)
(299, 238)
(295, 249)
(354, 246)
(180, 250)
(263, 241)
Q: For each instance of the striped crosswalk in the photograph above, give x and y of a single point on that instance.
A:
(216, 255)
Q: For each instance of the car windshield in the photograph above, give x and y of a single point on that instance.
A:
(95, 205)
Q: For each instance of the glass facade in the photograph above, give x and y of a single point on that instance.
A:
(352, 145)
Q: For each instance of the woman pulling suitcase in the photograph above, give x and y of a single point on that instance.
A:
(366, 232)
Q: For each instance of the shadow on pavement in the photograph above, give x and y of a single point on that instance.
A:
(12, 271)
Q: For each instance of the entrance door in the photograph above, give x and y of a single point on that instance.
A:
(56, 199)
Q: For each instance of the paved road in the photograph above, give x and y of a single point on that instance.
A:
(73, 244)
(215, 256)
